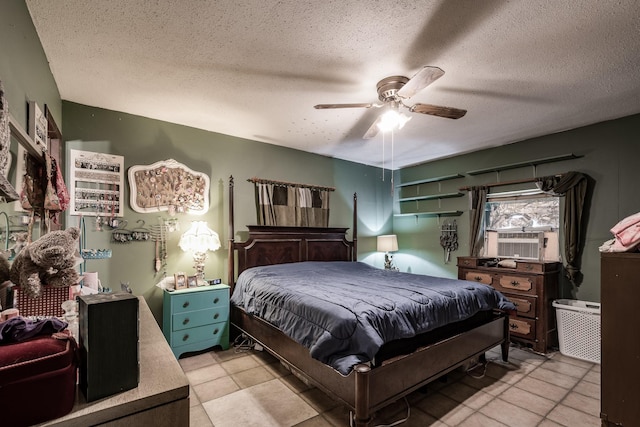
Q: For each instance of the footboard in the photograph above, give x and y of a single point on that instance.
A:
(366, 390)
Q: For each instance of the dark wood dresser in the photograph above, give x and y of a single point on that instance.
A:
(531, 286)
(620, 342)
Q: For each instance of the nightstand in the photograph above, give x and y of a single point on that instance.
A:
(196, 318)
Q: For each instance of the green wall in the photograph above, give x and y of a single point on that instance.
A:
(24, 68)
(610, 153)
(144, 141)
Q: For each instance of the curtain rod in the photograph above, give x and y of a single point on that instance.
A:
(289, 184)
(517, 181)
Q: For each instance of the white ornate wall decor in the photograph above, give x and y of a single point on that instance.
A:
(168, 186)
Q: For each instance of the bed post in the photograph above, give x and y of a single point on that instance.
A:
(362, 415)
(231, 277)
(354, 256)
(505, 344)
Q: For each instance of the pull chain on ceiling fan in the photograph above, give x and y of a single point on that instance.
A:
(392, 91)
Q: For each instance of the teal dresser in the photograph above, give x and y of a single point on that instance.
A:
(196, 318)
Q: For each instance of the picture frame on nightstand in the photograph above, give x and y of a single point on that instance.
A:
(181, 281)
(192, 281)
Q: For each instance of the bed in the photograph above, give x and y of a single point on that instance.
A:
(399, 366)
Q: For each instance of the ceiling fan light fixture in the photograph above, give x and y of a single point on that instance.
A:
(392, 120)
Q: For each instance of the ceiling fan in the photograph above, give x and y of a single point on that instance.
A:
(394, 90)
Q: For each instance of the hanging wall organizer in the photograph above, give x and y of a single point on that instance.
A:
(96, 184)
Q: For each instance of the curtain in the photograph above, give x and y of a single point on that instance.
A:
(292, 205)
(264, 205)
(573, 186)
(477, 199)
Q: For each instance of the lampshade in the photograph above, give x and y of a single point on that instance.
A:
(199, 238)
(387, 243)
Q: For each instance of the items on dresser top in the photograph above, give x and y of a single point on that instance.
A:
(196, 318)
(531, 286)
(18, 328)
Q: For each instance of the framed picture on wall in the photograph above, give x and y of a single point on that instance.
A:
(38, 126)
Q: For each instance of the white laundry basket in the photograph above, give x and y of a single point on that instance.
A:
(579, 329)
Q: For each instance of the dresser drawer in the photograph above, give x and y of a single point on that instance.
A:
(200, 300)
(191, 319)
(506, 283)
(478, 276)
(521, 327)
(215, 331)
(525, 305)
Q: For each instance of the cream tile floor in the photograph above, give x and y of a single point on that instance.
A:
(229, 388)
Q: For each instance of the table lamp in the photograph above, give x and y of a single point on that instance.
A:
(388, 243)
(198, 240)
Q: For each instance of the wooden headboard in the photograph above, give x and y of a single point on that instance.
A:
(268, 245)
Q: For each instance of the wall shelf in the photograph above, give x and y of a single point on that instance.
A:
(431, 197)
(536, 162)
(436, 213)
(24, 139)
(429, 180)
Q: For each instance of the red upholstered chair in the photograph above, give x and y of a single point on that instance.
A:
(37, 379)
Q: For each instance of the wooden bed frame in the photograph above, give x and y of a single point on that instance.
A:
(366, 389)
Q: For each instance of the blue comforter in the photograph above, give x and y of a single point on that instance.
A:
(343, 312)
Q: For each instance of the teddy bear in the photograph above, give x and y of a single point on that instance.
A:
(51, 260)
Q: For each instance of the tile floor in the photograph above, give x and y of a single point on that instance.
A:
(230, 388)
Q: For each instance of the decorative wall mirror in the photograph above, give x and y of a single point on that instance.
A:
(168, 186)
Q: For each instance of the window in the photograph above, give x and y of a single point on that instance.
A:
(522, 224)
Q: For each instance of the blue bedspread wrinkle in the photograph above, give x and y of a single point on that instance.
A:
(343, 312)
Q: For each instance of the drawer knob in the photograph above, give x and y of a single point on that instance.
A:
(215, 331)
(185, 321)
(515, 303)
(513, 326)
(478, 279)
(215, 316)
(515, 283)
(185, 304)
(185, 337)
(216, 300)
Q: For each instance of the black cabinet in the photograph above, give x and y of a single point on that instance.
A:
(620, 317)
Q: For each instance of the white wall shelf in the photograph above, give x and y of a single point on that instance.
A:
(431, 197)
(534, 163)
(434, 213)
(430, 180)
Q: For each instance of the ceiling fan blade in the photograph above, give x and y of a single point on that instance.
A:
(436, 110)
(420, 80)
(373, 130)
(325, 106)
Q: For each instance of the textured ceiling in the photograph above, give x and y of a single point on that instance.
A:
(255, 68)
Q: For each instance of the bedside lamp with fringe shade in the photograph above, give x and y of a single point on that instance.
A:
(199, 239)
(388, 243)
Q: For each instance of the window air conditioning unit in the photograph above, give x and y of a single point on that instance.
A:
(522, 245)
(540, 245)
